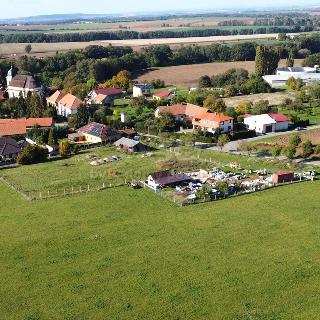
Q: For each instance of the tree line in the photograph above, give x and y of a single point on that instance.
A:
(38, 37)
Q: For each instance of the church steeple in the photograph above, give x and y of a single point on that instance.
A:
(10, 76)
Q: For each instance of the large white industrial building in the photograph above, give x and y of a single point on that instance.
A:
(306, 74)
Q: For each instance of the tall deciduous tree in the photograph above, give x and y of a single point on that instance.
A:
(267, 60)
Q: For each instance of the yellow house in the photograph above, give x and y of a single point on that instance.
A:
(97, 133)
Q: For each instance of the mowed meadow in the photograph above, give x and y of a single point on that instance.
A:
(129, 254)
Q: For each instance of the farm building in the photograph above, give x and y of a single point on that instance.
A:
(142, 89)
(96, 133)
(21, 85)
(266, 123)
(166, 178)
(9, 149)
(130, 145)
(12, 127)
(282, 177)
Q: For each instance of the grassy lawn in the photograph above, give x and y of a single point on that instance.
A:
(125, 254)
(76, 172)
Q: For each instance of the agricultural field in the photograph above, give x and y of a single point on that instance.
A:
(43, 49)
(129, 254)
(274, 98)
(57, 177)
(140, 26)
(188, 75)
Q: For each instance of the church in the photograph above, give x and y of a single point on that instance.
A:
(21, 84)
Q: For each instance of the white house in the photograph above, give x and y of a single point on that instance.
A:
(68, 105)
(306, 74)
(142, 89)
(266, 123)
(21, 85)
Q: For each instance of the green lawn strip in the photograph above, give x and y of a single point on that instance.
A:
(127, 254)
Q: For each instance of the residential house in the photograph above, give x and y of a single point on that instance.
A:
(266, 123)
(164, 95)
(161, 179)
(9, 149)
(142, 89)
(182, 111)
(68, 105)
(102, 96)
(212, 122)
(21, 85)
(13, 127)
(97, 133)
(55, 98)
(130, 145)
(201, 118)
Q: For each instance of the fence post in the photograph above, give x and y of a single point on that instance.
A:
(88, 188)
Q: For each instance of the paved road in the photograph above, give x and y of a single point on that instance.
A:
(235, 145)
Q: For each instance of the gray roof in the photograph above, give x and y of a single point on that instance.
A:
(24, 82)
(126, 142)
(144, 86)
(8, 146)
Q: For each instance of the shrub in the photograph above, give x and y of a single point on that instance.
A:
(276, 150)
(64, 148)
(32, 154)
(290, 151)
(307, 149)
(317, 149)
(294, 140)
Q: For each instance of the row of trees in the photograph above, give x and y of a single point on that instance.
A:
(234, 82)
(125, 34)
(33, 106)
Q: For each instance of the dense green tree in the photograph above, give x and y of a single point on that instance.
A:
(204, 82)
(267, 60)
(32, 154)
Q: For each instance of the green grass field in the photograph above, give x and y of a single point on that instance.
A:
(76, 171)
(126, 254)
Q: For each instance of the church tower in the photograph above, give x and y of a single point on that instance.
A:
(9, 76)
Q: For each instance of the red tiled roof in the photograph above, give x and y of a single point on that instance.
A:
(176, 109)
(108, 91)
(56, 97)
(278, 117)
(188, 109)
(163, 94)
(70, 101)
(41, 122)
(11, 127)
(216, 117)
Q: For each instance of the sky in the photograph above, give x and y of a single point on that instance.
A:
(23, 8)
